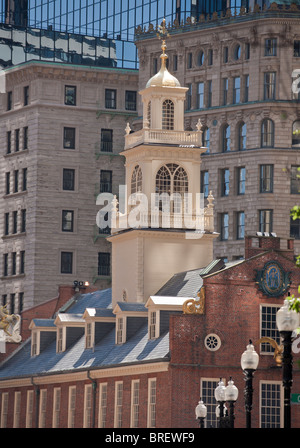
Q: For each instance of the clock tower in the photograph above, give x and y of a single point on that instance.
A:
(164, 228)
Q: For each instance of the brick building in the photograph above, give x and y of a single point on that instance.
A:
(156, 375)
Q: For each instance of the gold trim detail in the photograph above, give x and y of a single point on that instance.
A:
(195, 306)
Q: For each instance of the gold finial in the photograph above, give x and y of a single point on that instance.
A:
(163, 34)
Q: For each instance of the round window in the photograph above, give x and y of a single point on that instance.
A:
(212, 342)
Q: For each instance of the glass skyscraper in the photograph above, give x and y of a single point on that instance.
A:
(92, 32)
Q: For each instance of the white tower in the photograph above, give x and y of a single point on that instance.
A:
(154, 239)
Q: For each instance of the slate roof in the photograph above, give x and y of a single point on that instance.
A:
(106, 353)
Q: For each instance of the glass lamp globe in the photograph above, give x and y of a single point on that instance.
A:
(220, 391)
(249, 359)
(231, 391)
(201, 410)
(286, 319)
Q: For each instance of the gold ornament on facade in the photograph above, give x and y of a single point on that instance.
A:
(10, 322)
(278, 349)
(195, 306)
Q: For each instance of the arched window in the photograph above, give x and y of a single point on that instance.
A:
(226, 138)
(200, 58)
(168, 115)
(205, 139)
(171, 178)
(267, 133)
(136, 180)
(296, 133)
(242, 136)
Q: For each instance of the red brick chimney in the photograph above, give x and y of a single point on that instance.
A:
(255, 245)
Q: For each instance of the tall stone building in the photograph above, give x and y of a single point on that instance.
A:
(62, 128)
(239, 69)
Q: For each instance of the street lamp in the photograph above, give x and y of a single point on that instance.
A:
(201, 412)
(220, 398)
(287, 321)
(231, 395)
(249, 363)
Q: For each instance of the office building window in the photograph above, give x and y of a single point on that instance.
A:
(103, 263)
(5, 265)
(266, 178)
(9, 100)
(210, 57)
(242, 136)
(21, 301)
(189, 60)
(26, 95)
(22, 262)
(237, 52)
(225, 182)
(296, 48)
(224, 234)
(24, 179)
(17, 140)
(110, 99)
(296, 133)
(270, 47)
(15, 221)
(269, 85)
(66, 265)
(267, 133)
(246, 88)
(209, 93)
(175, 62)
(70, 95)
(270, 409)
(295, 180)
(236, 90)
(106, 140)
(200, 58)
(205, 183)
(206, 139)
(265, 221)
(200, 95)
(69, 138)
(225, 91)
(130, 100)
(6, 224)
(105, 181)
(13, 263)
(241, 180)
(225, 138)
(25, 137)
(225, 55)
(189, 97)
(67, 221)
(295, 228)
(68, 179)
(16, 181)
(7, 183)
(240, 225)
(8, 142)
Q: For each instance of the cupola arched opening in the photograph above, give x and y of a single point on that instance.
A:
(171, 178)
(168, 115)
(136, 180)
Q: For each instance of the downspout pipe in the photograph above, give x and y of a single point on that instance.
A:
(94, 388)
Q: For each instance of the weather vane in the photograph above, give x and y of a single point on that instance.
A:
(162, 30)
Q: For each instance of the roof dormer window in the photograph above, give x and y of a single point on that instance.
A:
(153, 325)
(120, 330)
(35, 343)
(43, 332)
(89, 335)
(60, 341)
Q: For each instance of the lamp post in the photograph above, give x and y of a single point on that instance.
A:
(201, 412)
(220, 398)
(287, 321)
(231, 395)
(249, 363)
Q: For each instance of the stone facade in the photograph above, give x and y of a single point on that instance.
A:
(39, 163)
(232, 48)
